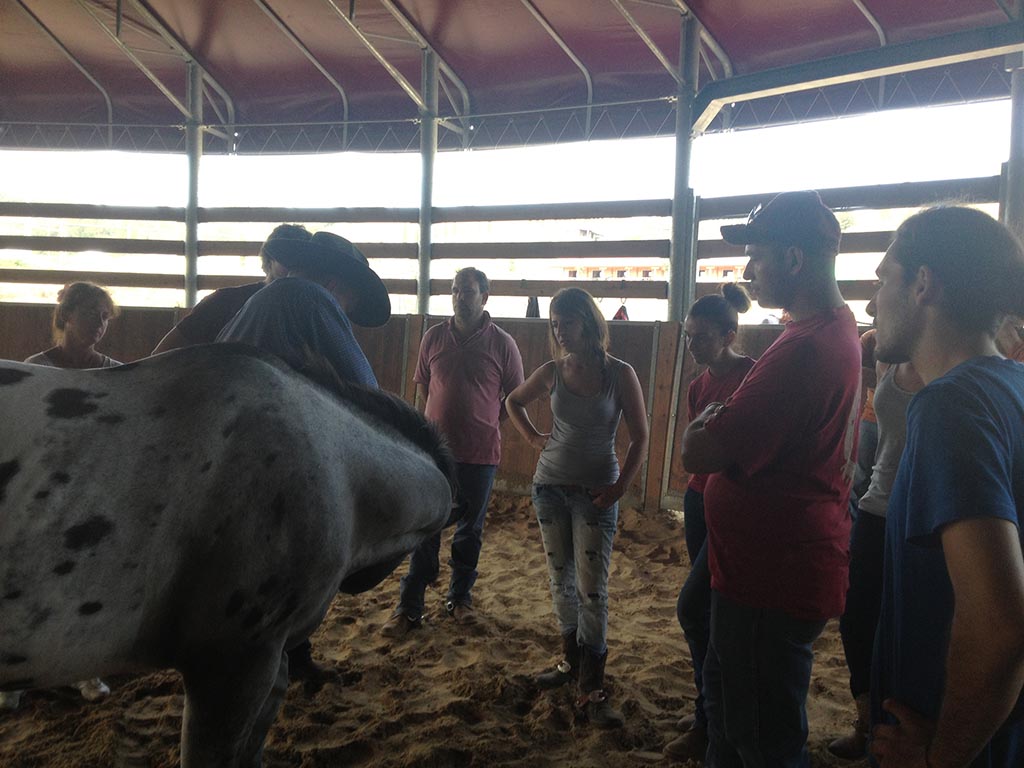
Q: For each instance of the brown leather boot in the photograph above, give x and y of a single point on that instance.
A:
(567, 670)
(854, 745)
(593, 699)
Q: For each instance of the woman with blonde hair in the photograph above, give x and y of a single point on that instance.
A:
(80, 322)
(578, 484)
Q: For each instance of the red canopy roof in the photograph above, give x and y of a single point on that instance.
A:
(284, 75)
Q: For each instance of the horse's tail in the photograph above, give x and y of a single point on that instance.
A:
(385, 408)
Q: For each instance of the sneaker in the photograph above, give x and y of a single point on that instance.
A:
(692, 745)
(463, 613)
(93, 689)
(399, 624)
(10, 699)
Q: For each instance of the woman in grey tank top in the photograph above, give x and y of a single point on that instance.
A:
(897, 385)
(578, 484)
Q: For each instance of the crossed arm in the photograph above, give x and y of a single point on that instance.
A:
(703, 451)
(985, 662)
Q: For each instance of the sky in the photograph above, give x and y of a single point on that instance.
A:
(894, 146)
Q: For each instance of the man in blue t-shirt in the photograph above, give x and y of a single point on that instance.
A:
(323, 284)
(306, 313)
(948, 669)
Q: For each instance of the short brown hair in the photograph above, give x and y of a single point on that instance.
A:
(979, 260)
(75, 295)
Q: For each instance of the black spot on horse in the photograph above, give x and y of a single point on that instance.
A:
(269, 460)
(158, 412)
(87, 534)
(110, 418)
(14, 594)
(279, 507)
(8, 470)
(61, 477)
(12, 659)
(64, 568)
(206, 466)
(129, 565)
(159, 507)
(39, 617)
(42, 494)
(235, 603)
(253, 617)
(290, 606)
(11, 376)
(87, 609)
(268, 586)
(70, 403)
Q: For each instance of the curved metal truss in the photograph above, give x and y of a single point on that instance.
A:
(982, 81)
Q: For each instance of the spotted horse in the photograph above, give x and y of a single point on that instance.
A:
(198, 510)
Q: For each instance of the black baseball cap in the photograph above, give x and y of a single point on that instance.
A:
(791, 218)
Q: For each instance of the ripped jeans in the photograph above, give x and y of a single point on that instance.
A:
(578, 542)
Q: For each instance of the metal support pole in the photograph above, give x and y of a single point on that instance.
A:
(194, 145)
(428, 149)
(682, 262)
(1014, 209)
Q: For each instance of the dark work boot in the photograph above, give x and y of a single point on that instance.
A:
(567, 670)
(593, 698)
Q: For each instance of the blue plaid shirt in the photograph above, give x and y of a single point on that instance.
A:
(292, 313)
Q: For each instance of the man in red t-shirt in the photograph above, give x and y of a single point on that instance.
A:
(783, 449)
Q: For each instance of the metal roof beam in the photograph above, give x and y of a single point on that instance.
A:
(287, 31)
(391, 69)
(872, 20)
(79, 66)
(709, 40)
(970, 45)
(553, 34)
(137, 61)
(172, 40)
(442, 65)
(648, 41)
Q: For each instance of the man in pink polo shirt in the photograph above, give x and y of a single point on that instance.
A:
(783, 450)
(466, 366)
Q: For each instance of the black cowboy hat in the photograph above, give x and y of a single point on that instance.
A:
(332, 254)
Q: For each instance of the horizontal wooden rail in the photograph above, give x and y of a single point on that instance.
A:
(626, 289)
(983, 189)
(647, 250)
(852, 242)
(583, 249)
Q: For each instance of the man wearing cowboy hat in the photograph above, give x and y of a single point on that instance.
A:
(210, 315)
(327, 286)
(322, 285)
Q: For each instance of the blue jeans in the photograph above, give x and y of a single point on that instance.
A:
(756, 676)
(578, 541)
(693, 608)
(473, 495)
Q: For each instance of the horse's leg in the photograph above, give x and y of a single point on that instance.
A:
(252, 755)
(224, 696)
